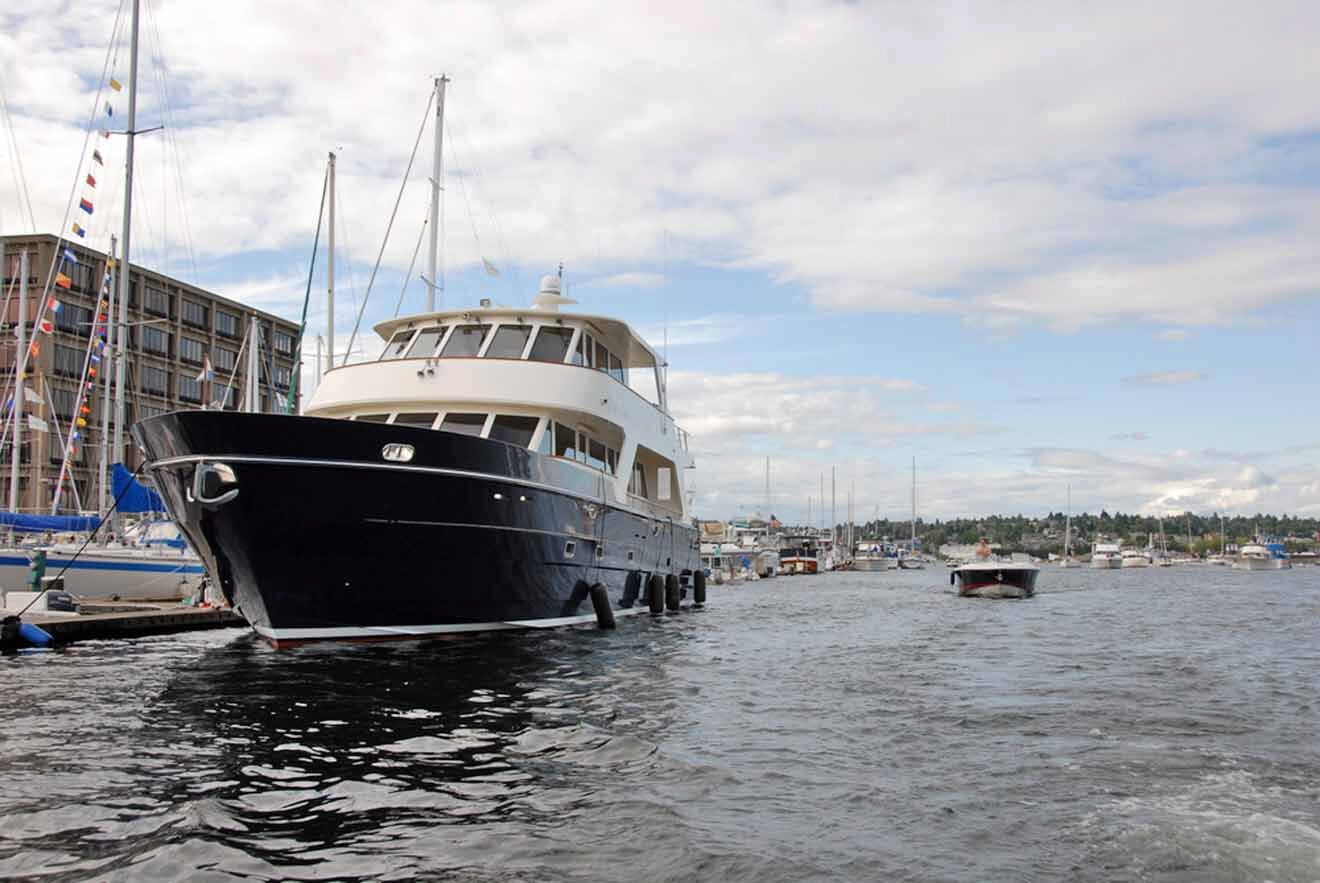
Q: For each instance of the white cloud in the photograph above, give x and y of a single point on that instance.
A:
(1164, 378)
(1116, 181)
(629, 280)
(1174, 335)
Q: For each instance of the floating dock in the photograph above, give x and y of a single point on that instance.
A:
(138, 622)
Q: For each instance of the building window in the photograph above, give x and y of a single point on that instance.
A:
(145, 411)
(155, 380)
(194, 313)
(284, 343)
(83, 277)
(68, 361)
(225, 359)
(156, 301)
(282, 375)
(224, 396)
(226, 323)
(190, 388)
(65, 401)
(190, 350)
(73, 318)
(154, 340)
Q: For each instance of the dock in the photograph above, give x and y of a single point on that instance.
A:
(136, 622)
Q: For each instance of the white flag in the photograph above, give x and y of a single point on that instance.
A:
(30, 396)
(37, 423)
(491, 269)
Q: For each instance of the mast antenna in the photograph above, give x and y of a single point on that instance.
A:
(437, 169)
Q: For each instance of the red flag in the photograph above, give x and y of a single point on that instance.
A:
(91, 182)
(47, 326)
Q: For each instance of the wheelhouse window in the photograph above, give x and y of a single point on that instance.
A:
(637, 484)
(463, 424)
(420, 419)
(565, 442)
(373, 418)
(617, 371)
(514, 430)
(509, 342)
(427, 341)
(602, 357)
(397, 346)
(551, 344)
(465, 340)
(596, 454)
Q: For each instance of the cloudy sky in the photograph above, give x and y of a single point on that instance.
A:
(1032, 245)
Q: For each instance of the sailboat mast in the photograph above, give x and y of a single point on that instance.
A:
(330, 265)
(126, 236)
(19, 391)
(103, 502)
(1067, 527)
(436, 169)
(913, 547)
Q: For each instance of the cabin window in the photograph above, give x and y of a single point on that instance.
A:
(602, 357)
(616, 369)
(464, 340)
(612, 460)
(547, 444)
(463, 424)
(514, 430)
(426, 342)
(596, 454)
(508, 342)
(421, 419)
(662, 480)
(551, 344)
(398, 345)
(582, 356)
(582, 447)
(565, 442)
(637, 484)
(373, 418)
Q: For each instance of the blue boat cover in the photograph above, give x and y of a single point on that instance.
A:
(132, 495)
(54, 523)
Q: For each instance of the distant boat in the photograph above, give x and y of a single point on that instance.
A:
(870, 557)
(988, 578)
(1134, 558)
(912, 561)
(1106, 556)
(1263, 555)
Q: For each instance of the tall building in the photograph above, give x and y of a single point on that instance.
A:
(173, 328)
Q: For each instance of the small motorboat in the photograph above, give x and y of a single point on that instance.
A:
(987, 577)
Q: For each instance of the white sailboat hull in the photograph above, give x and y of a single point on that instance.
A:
(127, 574)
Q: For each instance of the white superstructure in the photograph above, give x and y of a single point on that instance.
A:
(1106, 556)
(578, 387)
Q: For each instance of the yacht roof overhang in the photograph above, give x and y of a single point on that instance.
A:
(638, 354)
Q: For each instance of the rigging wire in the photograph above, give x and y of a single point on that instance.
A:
(64, 224)
(171, 128)
(20, 176)
(341, 215)
(403, 289)
(295, 382)
(390, 226)
(479, 178)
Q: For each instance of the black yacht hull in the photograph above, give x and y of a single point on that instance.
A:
(1004, 581)
(326, 539)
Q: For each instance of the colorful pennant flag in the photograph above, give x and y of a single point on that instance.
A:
(109, 111)
(115, 84)
(34, 349)
(69, 255)
(91, 182)
(35, 422)
(63, 281)
(31, 396)
(53, 306)
(79, 231)
(47, 326)
(85, 205)
(96, 158)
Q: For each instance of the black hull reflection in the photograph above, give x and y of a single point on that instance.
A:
(324, 539)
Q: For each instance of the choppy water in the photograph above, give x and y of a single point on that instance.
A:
(1135, 725)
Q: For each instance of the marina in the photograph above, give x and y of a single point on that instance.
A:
(427, 530)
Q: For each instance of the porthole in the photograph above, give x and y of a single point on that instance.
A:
(570, 548)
